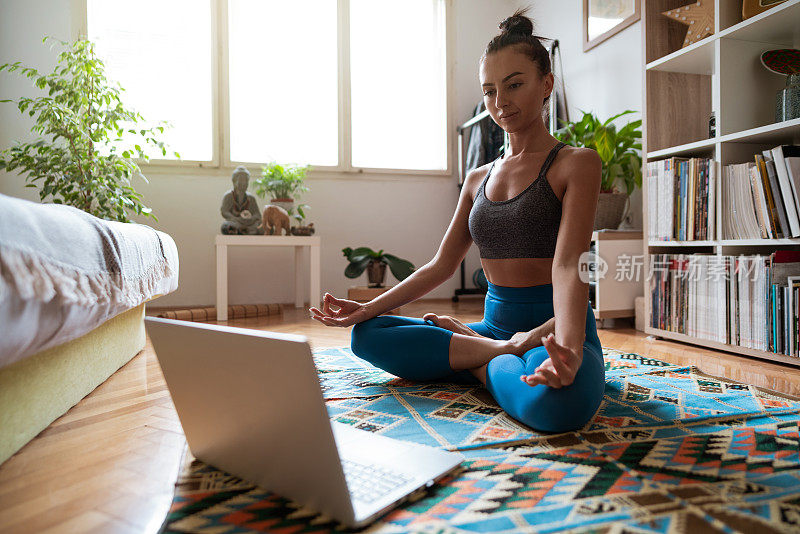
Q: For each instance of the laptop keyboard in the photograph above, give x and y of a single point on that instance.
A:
(368, 482)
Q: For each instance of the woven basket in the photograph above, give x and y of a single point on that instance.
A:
(610, 210)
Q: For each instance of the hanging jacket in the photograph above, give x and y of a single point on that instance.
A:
(485, 141)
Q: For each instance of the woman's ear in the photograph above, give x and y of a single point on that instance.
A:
(549, 83)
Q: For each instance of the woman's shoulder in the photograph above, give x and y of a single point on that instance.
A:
(579, 162)
(579, 155)
(574, 166)
(479, 173)
(474, 179)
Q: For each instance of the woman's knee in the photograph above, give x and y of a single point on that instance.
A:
(554, 412)
(527, 404)
(362, 336)
(503, 364)
(375, 341)
(564, 409)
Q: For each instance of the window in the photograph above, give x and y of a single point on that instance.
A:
(283, 81)
(250, 81)
(398, 84)
(160, 52)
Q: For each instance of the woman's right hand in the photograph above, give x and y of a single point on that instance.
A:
(349, 312)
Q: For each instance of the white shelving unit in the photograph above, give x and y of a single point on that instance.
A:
(613, 295)
(723, 73)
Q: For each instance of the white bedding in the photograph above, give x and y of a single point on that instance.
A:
(63, 273)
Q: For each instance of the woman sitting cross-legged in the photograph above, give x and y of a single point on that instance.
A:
(536, 348)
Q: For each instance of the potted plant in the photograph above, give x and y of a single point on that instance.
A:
(622, 164)
(375, 263)
(302, 229)
(282, 184)
(81, 158)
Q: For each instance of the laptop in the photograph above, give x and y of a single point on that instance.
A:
(250, 403)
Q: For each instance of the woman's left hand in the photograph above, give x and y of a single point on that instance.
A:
(559, 369)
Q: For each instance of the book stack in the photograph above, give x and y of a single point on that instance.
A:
(759, 200)
(745, 300)
(687, 291)
(681, 199)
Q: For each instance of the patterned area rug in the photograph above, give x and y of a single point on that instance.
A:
(670, 450)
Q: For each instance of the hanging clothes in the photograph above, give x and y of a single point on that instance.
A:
(560, 90)
(562, 113)
(485, 141)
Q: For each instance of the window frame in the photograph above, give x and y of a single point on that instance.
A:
(220, 99)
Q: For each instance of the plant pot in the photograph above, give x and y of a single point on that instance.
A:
(610, 210)
(376, 273)
(303, 229)
(285, 203)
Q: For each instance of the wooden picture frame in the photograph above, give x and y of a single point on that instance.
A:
(588, 43)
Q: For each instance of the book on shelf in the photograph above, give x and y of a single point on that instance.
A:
(785, 266)
(793, 284)
(754, 200)
(784, 158)
(681, 195)
(743, 300)
(742, 192)
(760, 203)
(777, 213)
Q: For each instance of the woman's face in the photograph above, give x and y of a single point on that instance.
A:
(513, 91)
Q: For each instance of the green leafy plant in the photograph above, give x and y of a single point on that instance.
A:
(283, 182)
(298, 212)
(618, 149)
(361, 257)
(80, 158)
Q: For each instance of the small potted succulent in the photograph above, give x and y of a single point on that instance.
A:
(302, 229)
(619, 150)
(375, 263)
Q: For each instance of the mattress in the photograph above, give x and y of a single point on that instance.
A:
(64, 272)
(39, 388)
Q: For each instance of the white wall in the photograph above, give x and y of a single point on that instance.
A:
(606, 80)
(404, 215)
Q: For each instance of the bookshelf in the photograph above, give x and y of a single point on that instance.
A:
(681, 87)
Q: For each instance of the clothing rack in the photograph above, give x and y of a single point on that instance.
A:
(553, 47)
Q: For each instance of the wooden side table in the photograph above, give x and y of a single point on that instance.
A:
(366, 293)
(222, 243)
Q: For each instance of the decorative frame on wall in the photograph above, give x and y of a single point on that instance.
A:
(625, 12)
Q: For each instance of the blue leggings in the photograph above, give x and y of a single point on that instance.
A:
(418, 350)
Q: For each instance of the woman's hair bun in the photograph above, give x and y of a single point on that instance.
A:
(517, 23)
(517, 31)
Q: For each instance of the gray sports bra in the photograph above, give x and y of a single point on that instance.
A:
(525, 226)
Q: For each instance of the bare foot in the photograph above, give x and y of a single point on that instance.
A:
(480, 373)
(454, 325)
(522, 342)
(451, 323)
(519, 344)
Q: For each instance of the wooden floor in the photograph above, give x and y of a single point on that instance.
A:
(108, 465)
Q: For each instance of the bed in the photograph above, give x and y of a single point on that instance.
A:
(72, 294)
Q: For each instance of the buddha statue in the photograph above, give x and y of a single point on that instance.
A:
(240, 208)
